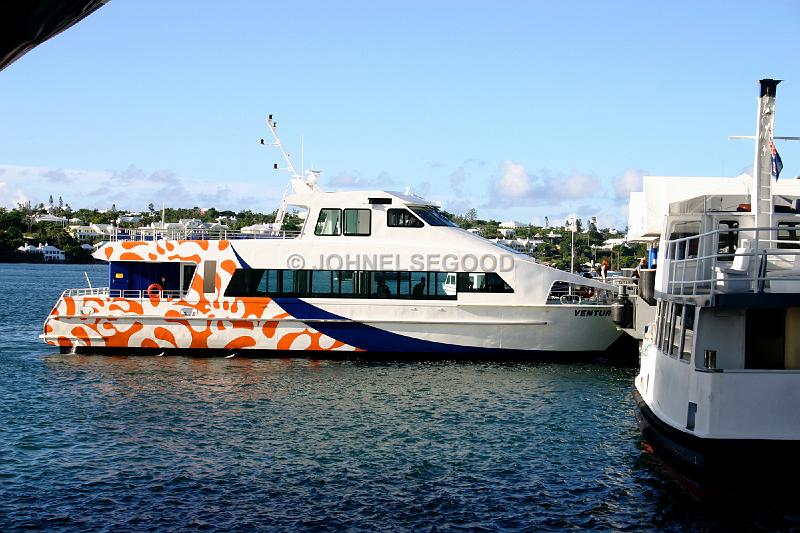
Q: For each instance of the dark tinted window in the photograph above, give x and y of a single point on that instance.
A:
(481, 282)
(432, 216)
(402, 218)
(787, 231)
(341, 284)
(728, 240)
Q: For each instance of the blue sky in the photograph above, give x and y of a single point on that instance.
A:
(519, 109)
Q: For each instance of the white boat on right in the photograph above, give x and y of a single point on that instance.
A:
(718, 390)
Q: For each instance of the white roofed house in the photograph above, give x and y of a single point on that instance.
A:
(610, 243)
(190, 223)
(512, 224)
(103, 229)
(509, 228)
(51, 253)
(52, 219)
(85, 233)
(259, 229)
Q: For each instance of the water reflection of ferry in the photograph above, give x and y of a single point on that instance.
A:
(375, 271)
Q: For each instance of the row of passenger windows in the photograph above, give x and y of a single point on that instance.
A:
(675, 334)
(358, 222)
(255, 282)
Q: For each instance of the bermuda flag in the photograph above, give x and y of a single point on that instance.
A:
(777, 164)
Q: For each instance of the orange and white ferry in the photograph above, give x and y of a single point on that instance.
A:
(374, 271)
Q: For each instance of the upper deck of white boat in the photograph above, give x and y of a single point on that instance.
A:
(424, 225)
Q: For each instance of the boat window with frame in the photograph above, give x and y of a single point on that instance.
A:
(209, 276)
(246, 282)
(402, 218)
(684, 249)
(432, 216)
(659, 319)
(322, 282)
(665, 323)
(687, 334)
(481, 282)
(728, 240)
(358, 222)
(675, 335)
(788, 235)
(256, 282)
(346, 282)
(187, 273)
(329, 222)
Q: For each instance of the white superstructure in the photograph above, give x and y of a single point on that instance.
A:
(719, 383)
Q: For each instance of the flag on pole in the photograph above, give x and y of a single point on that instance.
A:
(777, 164)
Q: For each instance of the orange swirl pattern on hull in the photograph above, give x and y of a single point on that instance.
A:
(197, 321)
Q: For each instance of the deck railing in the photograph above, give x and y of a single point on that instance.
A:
(196, 234)
(105, 292)
(751, 261)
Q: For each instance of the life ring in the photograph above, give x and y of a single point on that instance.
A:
(154, 290)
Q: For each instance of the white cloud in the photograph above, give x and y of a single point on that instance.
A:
(132, 188)
(457, 178)
(514, 182)
(11, 196)
(580, 186)
(354, 180)
(630, 181)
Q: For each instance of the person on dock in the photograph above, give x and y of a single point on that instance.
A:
(638, 272)
(603, 269)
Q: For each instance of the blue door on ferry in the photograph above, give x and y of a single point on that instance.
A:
(137, 276)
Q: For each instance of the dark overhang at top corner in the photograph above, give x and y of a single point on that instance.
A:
(768, 87)
(25, 24)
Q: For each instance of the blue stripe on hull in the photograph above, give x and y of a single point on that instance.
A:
(366, 337)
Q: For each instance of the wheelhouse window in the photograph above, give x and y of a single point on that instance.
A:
(685, 249)
(432, 216)
(666, 320)
(357, 221)
(688, 333)
(329, 222)
(675, 336)
(402, 218)
(788, 235)
(728, 240)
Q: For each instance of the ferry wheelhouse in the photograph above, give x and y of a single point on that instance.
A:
(718, 390)
(373, 271)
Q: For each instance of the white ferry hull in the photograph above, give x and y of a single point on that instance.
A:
(95, 323)
(203, 317)
(717, 461)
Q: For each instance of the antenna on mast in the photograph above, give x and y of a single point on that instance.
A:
(297, 183)
(273, 128)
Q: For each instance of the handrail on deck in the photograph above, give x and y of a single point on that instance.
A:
(196, 234)
(696, 266)
(127, 294)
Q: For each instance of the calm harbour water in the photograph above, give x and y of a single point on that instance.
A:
(174, 443)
